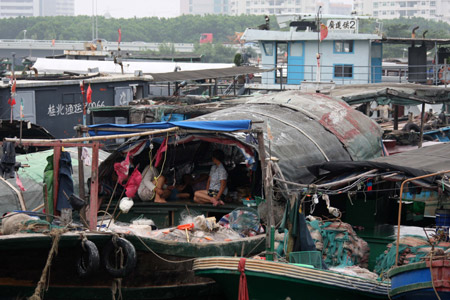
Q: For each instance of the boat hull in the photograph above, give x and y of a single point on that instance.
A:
(273, 280)
(414, 281)
(163, 269)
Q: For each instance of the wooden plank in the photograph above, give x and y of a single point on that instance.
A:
(93, 207)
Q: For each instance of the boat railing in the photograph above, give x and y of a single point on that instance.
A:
(348, 73)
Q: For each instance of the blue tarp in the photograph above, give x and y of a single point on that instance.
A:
(224, 126)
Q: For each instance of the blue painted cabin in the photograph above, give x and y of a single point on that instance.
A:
(347, 57)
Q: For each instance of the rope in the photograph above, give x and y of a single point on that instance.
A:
(56, 236)
(243, 288)
(116, 286)
(162, 258)
(431, 274)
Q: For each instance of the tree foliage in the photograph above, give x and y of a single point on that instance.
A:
(188, 28)
(183, 29)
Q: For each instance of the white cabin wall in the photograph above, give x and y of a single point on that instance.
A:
(359, 59)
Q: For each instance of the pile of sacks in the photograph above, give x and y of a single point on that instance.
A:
(339, 243)
(412, 248)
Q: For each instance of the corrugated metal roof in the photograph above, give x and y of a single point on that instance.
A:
(206, 74)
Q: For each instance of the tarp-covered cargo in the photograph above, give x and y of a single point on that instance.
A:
(308, 129)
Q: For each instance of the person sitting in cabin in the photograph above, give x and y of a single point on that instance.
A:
(152, 186)
(216, 186)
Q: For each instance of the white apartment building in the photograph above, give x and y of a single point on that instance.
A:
(261, 7)
(35, 8)
(438, 10)
(204, 7)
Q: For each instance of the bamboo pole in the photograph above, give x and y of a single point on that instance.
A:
(92, 138)
(400, 206)
(19, 193)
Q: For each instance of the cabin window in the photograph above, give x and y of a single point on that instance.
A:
(343, 71)
(343, 46)
(268, 49)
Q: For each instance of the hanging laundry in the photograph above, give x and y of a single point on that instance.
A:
(159, 153)
(8, 160)
(133, 183)
(86, 157)
(65, 188)
(121, 169)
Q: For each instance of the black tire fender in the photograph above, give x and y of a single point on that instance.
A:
(427, 137)
(129, 257)
(411, 127)
(89, 260)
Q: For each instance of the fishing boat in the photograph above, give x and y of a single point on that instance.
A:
(422, 280)
(429, 278)
(279, 280)
(157, 270)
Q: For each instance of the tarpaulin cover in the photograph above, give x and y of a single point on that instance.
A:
(33, 176)
(427, 160)
(307, 129)
(223, 126)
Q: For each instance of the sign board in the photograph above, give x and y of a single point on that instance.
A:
(343, 24)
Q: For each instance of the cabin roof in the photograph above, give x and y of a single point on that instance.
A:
(273, 35)
(395, 93)
(412, 163)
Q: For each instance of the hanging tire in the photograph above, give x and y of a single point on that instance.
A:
(427, 137)
(89, 260)
(110, 255)
(411, 127)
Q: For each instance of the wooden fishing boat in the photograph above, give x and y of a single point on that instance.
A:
(422, 280)
(278, 280)
(163, 269)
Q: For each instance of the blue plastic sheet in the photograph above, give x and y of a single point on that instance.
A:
(223, 126)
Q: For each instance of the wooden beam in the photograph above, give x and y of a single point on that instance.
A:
(92, 138)
(93, 206)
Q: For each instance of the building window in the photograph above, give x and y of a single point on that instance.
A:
(375, 14)
(343, 71)
(392, 3)
(432, 3)
(375, 5)
(343, 46)
(392, 12)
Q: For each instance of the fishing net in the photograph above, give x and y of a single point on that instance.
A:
(412, 248)
(339, 244)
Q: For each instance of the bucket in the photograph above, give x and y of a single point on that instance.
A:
(443, 217)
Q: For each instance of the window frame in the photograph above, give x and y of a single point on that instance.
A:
(343, 66)
(343, 41)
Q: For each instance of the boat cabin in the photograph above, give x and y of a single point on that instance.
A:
(346, 56)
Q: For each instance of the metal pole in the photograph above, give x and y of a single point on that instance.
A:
(395, 117)
(422, 115)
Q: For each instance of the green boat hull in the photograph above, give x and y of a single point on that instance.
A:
(266, 280)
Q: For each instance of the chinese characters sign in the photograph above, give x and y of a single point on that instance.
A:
(341, 24)
(70, 109)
